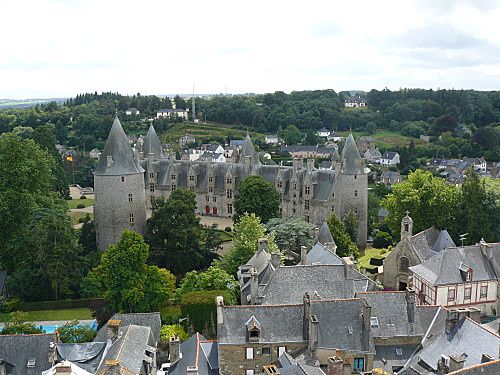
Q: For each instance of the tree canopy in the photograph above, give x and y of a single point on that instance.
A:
(257, 196)
(345, 246)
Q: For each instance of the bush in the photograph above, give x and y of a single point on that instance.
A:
(227, 229)
(200, 309)
(168, 331)
(382, 240)
(80, 205)
(57, 305)
(9, 304)
(81, 220)
(170, 314)
(83, 197)
(73, 333)
(18, 325)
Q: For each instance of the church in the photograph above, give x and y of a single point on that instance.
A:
(127, 182)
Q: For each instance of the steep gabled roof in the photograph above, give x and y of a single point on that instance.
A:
(248, 150)
(197, 352)
(117, 148)
(152, 144)
(351, 162)
(324, 235)
(151, 320)
(319, 254)
(86, 355)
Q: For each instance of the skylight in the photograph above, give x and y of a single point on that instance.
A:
(374, 321)
(31, 362)
(399, 351)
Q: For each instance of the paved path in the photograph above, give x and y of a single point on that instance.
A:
(222, 222)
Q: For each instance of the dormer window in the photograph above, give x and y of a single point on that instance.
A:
(374, 321)
(191, 178)
(210, 179)
(254, 334)
(279, 184)
(172, 177)
(468, 276)
(229, 180)
(253, 329)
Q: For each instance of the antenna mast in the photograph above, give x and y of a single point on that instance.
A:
(194, 106)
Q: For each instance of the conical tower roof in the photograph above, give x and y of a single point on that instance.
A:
(117, 158)
(248, 150)
(351, 162)
(324, 235)
(152, 144)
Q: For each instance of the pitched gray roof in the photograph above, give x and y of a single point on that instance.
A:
(319, 254)
(248, 150)
(392, 355)
(324, 235)
(301, 369)
(86, 355)
(487, 368)
(17, 350)
(390, 174)
(152, 144)
(197, 348)
(351, 162)
(429, 241)
(444, 267)
(151, 320)
(119, 149)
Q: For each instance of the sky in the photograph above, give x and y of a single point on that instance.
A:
(58, 48)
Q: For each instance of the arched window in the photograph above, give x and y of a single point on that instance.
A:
(404, 263)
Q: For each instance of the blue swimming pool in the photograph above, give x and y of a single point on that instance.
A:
(53, 328)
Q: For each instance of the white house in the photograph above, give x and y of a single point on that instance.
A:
(132, 111)
(95, 153)
(324, 133)
(354, 102)
(460, 277)
(272, 139)
(390, 158)
(171, 113)
(373, 155)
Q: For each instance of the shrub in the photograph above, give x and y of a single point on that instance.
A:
(73, 333)
(227, 229)
(170, 314)
(83, 197)
(19, 325)
(168, 331)
(81, 220)
(382, 240)
(9, 304)
(80, 205)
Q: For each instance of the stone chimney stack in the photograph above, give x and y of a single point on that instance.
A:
(254, 286)
(410, 304)
(219, 301)
(113, 328)
(451, 320)
(313, 333)
(456, 363)
(276, 259)
(112, 367)
(367, 316)
(310, 164)
(174, 349)
(63, 369)
(298, 163)
(303, 255)
(335, 366)
(307, 313)
(263, 244)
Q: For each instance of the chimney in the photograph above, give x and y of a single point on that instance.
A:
(174, 349)
(410, 304)
(112, 367)
(219, 301)
(109, 161)
(303, 255)
(63, 368)
(475, 314)
(307, 313)
(263, 244)
(316, 233)
(310, 164)
(331, 246)
(113, 328)
(192, 370)
(313, 333)
(297, 163)
(367, 316)
(456, 363)
(254, 287)
(451, 320)
(335, 366)
(276, 259)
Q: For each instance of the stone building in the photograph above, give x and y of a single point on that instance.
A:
(305, 191)
(410, 251)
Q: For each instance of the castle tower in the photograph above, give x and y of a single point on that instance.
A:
(152, 145)
(248, 153)
(352, 188)
(119, 190)
(406, 226)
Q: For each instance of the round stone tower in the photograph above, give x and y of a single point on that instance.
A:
(120, 201)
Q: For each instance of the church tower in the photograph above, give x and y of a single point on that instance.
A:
(406, 226)
(120, 201)
(351, 188)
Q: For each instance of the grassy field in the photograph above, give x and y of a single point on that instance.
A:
(67, 314)
(205, 132)
(364, 261)
(387, 138)
(75, 202)
(75, 216)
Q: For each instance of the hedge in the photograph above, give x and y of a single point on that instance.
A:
(57, 305)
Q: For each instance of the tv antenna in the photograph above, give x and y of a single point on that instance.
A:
(463, 237)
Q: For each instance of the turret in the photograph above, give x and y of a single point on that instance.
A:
(406, 226)
(119, 190)
(248, 153)
(152, 146)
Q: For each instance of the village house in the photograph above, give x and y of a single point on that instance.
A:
(373, 155)
(196, 355)
(132, 111)
(390, 158)
(185, 140)
(366, 142)
(390, 178)
(323, 133)
(172, 113)
(272, 139)
(95, 153)
(354, 102)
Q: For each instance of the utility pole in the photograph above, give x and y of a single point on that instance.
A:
(194, 106)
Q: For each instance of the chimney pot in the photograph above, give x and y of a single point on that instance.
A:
(174, 348)
(313, 333)
(219, 301)
(276, 259)
(113, 329)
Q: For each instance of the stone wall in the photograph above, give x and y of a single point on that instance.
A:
(392, 273)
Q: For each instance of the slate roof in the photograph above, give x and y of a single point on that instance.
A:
(373, 153)
(427, 243)
(130, 349)
(151, 320)
(488, 368)
(248, 150)
(367, 138)
(351, 162)
(197, 351)
(301, 369)
(17, 350)
(326, 281)
(324, 235)
(444, 267)
(390, 175)
(389, 356)
(389, 155)
(309, 148)
(123, 159)
(152, 144)
(171, 110)
(319, 254)
(86, 355)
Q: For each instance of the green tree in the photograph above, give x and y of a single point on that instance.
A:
(382, 240)
(258, 196)
(292, 135)
(478, 210)
(345, 246)
(213, 278)
(18, 325)
(311, 138)
(175, 234)
(172, 330)
(351, 225)
(73, 332)
(129, 284)
(291, 234)
(428, 199)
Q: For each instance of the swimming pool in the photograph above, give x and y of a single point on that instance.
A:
(53, 328)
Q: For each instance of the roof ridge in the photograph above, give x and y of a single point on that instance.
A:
(479, 365)
(197, 348)
(482, 327)
(270, 305)
(336, 300)
(382, 292)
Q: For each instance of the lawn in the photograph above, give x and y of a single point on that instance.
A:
(364, 261)
(204, 132)
(75, 216)
(386, 138)
(42, 315)
(72, 203)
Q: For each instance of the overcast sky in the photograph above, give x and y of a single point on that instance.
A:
(58, 48)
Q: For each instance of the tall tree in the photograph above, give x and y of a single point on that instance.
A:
(345, 246)
(291, 234)
(351, 225)
(292, 135)
(258, 196)
(174, 234)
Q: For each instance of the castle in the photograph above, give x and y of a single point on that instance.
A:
(126, 183)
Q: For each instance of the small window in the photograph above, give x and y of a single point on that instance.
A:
(407, 227)
(468, 276)
(214, 199)
(467, 292)
(152, 188)
(355, 177)
(306, 204)
(355, 193)
(359, 364)
(266, 351)
(152, 199)
(451, 294)
(130, 197)
(191, 188)
(207, 198)
(229, 193)
(172, 177)
(210, 179)
(307, 190)
(229, 208)
(191, 178)
(374, 321)
(307, 218)
(399, 351)
(484, 291)
(151, 175)
(31, 362)
(249, 353)
(279, 184)
(229, 180)
(131, 219)
(281, 350)
(294, 186)
(210, 189)
(349, 330)
(254, 334)
(123, 178)
(404, 264)
(173, 187)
